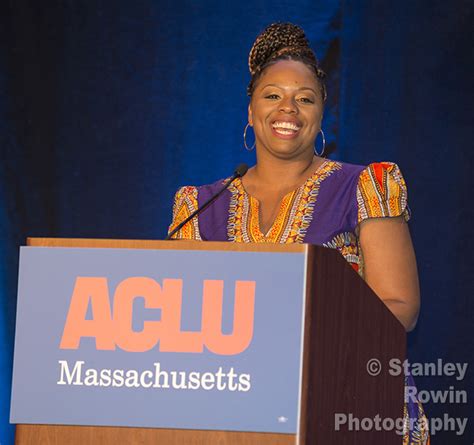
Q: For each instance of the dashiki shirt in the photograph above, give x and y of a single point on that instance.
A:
(326, 210)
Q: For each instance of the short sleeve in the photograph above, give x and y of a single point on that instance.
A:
(185, 203)
(382, 192)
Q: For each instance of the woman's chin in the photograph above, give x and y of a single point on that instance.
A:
(290, 153)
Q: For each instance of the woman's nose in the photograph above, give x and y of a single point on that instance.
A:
(288, 105)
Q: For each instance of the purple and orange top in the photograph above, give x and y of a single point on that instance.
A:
(325, 210)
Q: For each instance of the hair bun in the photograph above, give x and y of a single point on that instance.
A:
(276, 40)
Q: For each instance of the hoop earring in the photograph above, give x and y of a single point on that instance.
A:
(324, 144)
(245, 139)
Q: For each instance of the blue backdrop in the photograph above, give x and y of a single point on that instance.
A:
(107, 107)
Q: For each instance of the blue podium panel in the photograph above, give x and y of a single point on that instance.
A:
(159, 338)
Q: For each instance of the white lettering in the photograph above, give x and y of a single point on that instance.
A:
(77, 371)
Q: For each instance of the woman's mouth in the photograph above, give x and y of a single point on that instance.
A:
(285, 129)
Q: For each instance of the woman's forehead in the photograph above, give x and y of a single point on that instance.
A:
(288, 73)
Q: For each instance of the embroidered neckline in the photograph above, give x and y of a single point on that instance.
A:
(294, 215)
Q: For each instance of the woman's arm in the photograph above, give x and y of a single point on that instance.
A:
(390, 266)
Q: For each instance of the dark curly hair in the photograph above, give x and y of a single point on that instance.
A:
(282, 41)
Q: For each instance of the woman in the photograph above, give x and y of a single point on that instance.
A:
(293, 194)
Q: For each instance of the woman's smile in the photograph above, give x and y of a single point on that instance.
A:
(286, 129)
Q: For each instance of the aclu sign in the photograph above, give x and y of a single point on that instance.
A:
(157, 338)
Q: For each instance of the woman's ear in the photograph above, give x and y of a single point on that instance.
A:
(250, 118)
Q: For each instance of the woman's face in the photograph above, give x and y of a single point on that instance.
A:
(286, 110)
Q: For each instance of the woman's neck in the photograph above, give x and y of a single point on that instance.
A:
(281, 173)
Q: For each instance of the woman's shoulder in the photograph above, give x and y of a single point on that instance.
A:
(378, 189)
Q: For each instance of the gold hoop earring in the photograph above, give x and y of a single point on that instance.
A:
(324, 144)
(245, 139)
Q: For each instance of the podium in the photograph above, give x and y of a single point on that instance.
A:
(346, 330)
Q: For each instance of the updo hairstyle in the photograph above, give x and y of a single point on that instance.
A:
(282, 41)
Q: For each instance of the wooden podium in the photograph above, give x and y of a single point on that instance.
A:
(346, 325)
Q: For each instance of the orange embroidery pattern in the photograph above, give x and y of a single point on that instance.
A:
(276, 233)
(420, 434)
(347, 244)
(185, 202)
(382, 192)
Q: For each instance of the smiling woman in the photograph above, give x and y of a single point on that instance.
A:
(295, 195)
(286, 110)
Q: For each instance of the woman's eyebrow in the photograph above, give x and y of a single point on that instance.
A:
(282, 88)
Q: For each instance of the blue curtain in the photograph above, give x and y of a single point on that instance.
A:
(106, 108)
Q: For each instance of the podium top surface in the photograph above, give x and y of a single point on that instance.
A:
(166, 245)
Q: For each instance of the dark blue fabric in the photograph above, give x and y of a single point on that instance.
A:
(106, 108)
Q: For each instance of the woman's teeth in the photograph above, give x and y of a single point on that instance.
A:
(285, 128)
(281, 131)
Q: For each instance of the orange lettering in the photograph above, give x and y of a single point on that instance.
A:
(109, 332)
(173, 339)
(125, 294)
(95, 290)
(242, 332)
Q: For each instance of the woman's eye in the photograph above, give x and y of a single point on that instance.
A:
(305, 100)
